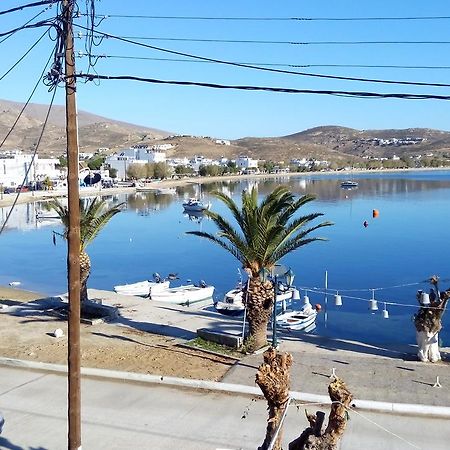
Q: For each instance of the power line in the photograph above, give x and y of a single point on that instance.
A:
(267, 69)
(257, 41)
(305, 66)
(29, 5)
(362, 94)
(270, 19)
(24, 55)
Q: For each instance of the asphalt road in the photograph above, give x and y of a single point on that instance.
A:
(144, 416)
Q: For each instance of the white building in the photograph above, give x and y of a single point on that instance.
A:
(139, 154)
(222, 142)
(245, 163)
(14, 167)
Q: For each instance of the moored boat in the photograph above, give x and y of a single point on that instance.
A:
(196, 205)
(298, 320)
(183, 295)
(143, 288)
(349, 184)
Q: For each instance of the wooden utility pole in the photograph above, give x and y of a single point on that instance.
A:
(73, 254)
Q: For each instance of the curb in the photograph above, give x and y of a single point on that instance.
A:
(367, 405)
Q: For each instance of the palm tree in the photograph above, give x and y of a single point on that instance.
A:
(94, 215)
(266, 234)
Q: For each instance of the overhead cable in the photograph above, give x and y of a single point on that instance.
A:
(258, 41)
(29, 5)
(304, 66)
(270, 19)
(362, 94)
(267, 69)
(24, 55)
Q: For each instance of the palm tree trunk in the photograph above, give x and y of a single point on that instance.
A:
(273, 377)
(313, 438)
(428, 323)
(85, 271)
(259, 299)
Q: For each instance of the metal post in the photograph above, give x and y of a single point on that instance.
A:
(326, 298)
(73, 256)
(274, 318)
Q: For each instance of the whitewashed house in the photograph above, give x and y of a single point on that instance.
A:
(14, 167)
(247, 164)
(138, 154)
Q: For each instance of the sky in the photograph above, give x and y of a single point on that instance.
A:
(231, 114)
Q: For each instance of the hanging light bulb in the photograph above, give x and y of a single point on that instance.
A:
(296, 295)
(425, 299)
(306, 298)
(337, 299)
(385, 312)
(373, 305)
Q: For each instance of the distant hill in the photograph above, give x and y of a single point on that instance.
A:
(94, 131)
(332, 143)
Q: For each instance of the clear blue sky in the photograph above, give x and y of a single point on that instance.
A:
(233, 114)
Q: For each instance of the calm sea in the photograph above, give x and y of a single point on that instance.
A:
(390, 258)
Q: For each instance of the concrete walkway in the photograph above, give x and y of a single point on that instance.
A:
(379, 373)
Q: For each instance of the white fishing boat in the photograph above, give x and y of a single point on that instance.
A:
(183, 295)
(298, 320)
(195, 205)
(233, 304)
(143, 288)
(166, 191)
(349, 184)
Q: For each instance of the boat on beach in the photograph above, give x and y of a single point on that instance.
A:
(143, 288)
(195, 205)
(183, 295)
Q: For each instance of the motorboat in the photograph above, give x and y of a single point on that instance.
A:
(299, 320)
(233, 304)
(195, 205)
(348, 184)
(166, 191)
(143, 288)
(183, 295)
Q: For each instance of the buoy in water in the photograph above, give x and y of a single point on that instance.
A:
(318, 307)
(375, 213)
(366, 224)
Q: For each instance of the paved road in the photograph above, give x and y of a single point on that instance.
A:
(141, 416)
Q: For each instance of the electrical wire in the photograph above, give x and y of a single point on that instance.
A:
(272, 19)
(31, 163)
(257, 41)
(29, 5)
(361, 94)
(362, 66)
(267, 69)
(24, 55)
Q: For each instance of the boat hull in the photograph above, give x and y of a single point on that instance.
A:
(141, 288)
(296, 320)
(183, 295)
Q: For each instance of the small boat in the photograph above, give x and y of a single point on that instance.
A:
(349, 184)
(298, 320)
(14, 283)
(143, 288)
(183, 295)
(233, 304)
(166, 191)
(195, 205)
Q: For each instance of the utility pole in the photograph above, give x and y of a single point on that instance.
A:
(73, 253)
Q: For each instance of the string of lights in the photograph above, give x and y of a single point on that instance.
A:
(267, 69)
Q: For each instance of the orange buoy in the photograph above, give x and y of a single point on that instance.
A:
(375, 213)
(318, 306)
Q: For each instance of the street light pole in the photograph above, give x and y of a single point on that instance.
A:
(73, 238)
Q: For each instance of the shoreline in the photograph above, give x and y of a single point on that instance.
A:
(33, 196)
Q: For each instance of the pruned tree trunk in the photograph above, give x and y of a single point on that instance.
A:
(273, 377)
(259, 299)
(313, 438)
(85, 271)
(428, 323)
